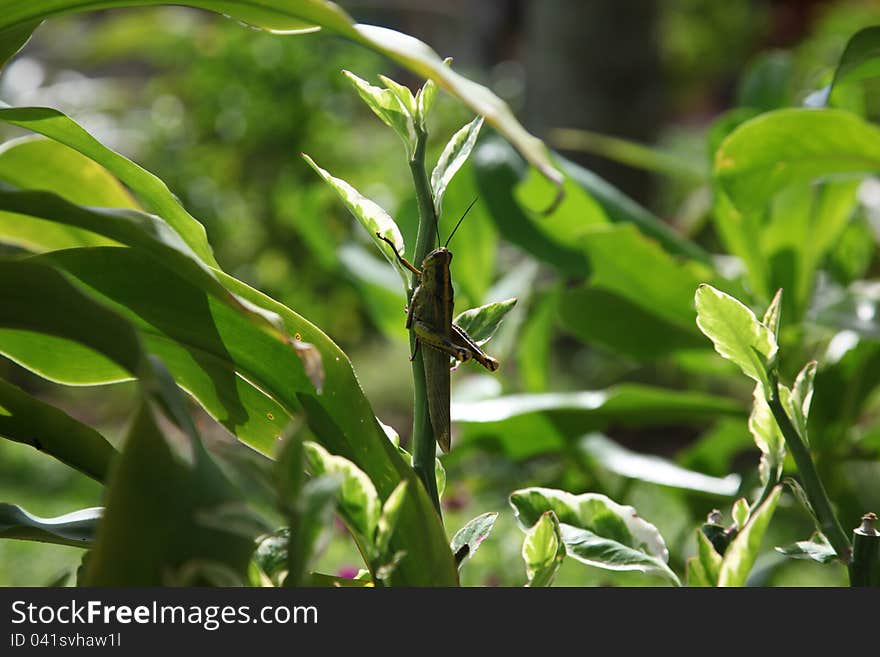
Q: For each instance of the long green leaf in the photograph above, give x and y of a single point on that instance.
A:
(160, 504)
(13, 38)
(37, 300)
(76, 529)
(654, 469)
(35, 162)
(152, 191)
(28, 420)
(528, 425)
(249, 381)
(297, 16)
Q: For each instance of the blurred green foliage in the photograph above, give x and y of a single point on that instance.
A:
(222, 113)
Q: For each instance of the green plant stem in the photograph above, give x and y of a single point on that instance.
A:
(772, 483)
(865, 567)
(812, 484)
(424, 445)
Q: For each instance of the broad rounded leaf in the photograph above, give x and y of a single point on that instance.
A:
(769, 153)
(597, 530)
(736, 332)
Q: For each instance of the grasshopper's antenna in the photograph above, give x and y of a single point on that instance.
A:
(460, 220)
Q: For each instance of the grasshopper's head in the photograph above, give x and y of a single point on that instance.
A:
(435, 263)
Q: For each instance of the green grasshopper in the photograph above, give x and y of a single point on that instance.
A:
(429, 317)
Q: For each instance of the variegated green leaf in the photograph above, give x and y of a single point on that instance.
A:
(453, 157)
(387, 105)
(597, 531)
(742, 552)
(358, 501)
(469, 538)
(543, 550)
(371, 216)
(736, 333)
(481, 323)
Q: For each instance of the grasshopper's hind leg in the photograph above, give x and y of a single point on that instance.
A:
(425, 333)
(462, 339)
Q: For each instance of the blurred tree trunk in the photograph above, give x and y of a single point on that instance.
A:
(594, 64)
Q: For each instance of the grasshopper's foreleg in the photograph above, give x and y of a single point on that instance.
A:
(430, 337)
(406, 263)
(462, 339)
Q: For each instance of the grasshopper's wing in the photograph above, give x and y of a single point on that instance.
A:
(460, 338)
(438, 383)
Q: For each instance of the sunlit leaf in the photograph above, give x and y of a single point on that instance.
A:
(453, 157)
(468, 539)
(703, 569)
(736, 332)
(153, 192)
(386, 104)
(298, 16)
(596, 530)
(654, 469)
(359, 504)
(768, 153)
(742, 552)
(543, 550)
(372, 217)
(481, 323)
